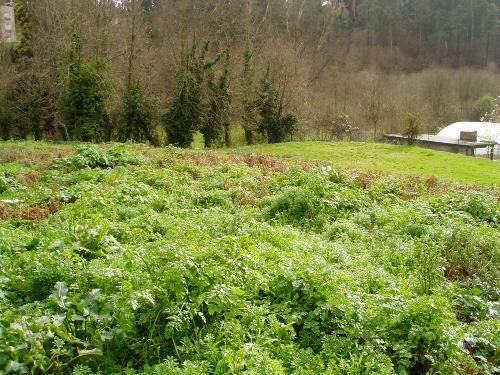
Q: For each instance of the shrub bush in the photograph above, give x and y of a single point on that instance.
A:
(7, 182)
(90, 157)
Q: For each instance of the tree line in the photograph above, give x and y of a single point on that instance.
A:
(162, 70)
(201, 100)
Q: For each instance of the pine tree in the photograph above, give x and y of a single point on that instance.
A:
(212, 128)
(23, 49)
(26, 100)
(187, 109)
(136, 121)
(27, 96)
(5, 119)
(217, 123)
(225, 99)
(249, 97)
(82, 103)
(136, 117)
(269, 108)
(181, 119)
(273, 125)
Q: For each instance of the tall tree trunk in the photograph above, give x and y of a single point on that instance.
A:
(227, 134)
(420, 36)
(249, 136)
(472, 25)
(391, 37)
(131, 56)
(487, 57)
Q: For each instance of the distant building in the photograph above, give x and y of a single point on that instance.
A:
(486, 132)
(7, 22)
(469, 138)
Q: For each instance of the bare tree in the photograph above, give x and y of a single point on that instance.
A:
(373, 103)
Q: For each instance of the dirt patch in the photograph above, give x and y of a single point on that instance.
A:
(26, 212)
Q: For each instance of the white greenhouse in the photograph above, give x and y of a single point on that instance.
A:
(486, 132)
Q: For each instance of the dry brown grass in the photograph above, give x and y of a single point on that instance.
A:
(457, 272)
(248, 199)
(43, 157)
(29, 178)
(203, 158)
(432, 182)
(311, 165)
(264, 162)
(26, 212)
(367, 179)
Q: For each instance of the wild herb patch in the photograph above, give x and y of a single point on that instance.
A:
(185, 267)
(8, 182)
(91, 157)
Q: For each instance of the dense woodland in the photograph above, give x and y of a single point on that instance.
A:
(246, 71)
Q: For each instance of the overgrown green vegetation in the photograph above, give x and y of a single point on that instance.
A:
(128, 259)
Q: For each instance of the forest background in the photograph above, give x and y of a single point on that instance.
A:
(246, 71)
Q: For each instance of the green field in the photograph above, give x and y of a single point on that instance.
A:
(124, 259)
(389, 158)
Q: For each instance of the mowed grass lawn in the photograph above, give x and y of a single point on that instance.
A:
(396, 159)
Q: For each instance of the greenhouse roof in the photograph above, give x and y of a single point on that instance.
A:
(486, 131)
